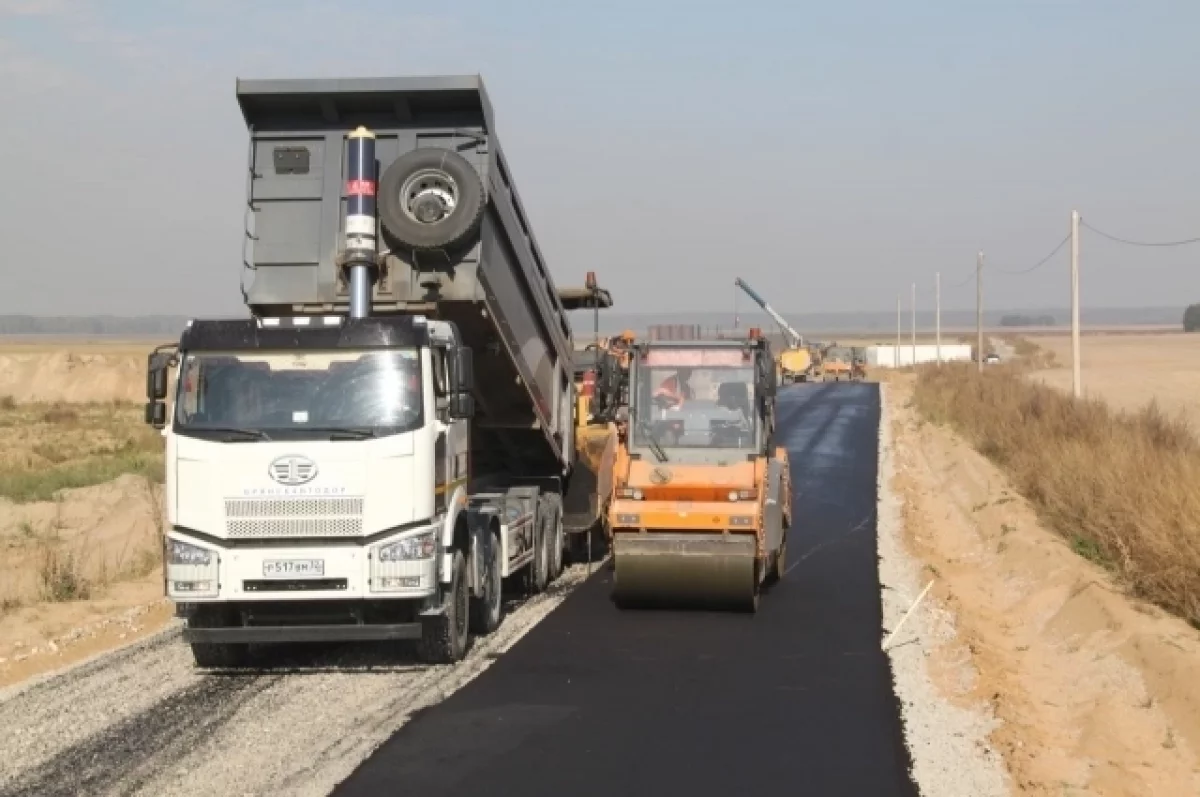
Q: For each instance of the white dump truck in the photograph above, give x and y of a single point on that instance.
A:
(388, 435)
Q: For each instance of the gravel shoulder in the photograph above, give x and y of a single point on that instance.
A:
(143, 720)
(947, 739)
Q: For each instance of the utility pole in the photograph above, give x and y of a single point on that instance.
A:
(896, 354)
(914, 324)
(1076, 377)
(979, 312)
(937, 313)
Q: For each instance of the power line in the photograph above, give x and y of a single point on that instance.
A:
(969, 278)
(1041, 262)
(1138, 243)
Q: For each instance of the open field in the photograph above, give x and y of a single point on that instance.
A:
(73, 370)
(80, 502)
(1130, 371)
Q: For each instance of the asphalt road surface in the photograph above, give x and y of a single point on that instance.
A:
(794, 700)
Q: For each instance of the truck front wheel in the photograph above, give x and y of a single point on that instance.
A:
(444, 639)
(486, 609)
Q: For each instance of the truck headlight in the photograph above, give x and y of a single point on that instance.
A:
(405, 564)
(184, 553)
(191, 570)
(420, 546)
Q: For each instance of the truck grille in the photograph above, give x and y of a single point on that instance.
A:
(293, 517)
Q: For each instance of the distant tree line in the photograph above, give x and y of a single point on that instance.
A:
(1027, 321)
(1191, 318)
(157, 326)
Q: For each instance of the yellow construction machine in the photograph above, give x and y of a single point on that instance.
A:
(836, 363)
(702, 501)
(601, 368)
(796, 362)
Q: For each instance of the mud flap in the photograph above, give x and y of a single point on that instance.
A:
(586, 499)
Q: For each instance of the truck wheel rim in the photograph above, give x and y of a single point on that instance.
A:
(429, 196)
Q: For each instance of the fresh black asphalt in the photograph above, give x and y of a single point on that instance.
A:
(796, 699)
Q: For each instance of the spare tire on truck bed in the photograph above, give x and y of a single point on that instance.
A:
(430, 198)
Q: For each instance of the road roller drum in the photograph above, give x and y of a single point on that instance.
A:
(697, 568)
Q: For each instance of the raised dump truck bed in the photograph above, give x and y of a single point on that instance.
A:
(454, 239)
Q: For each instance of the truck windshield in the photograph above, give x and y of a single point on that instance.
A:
(708, 405)
(296, 395)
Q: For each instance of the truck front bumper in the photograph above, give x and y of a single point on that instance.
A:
(201, 569)
(304, 633)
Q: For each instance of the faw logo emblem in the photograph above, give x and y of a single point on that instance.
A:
(292, 469)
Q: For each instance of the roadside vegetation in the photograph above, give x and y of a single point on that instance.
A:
(47, 447)
(1030, 356)
(1123, 489)
(56, 546)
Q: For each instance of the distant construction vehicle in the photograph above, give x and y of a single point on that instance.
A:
(858, 365)
(796, 363)
(703, 493)
(837, 362)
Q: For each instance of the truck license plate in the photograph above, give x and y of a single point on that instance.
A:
(300, 568)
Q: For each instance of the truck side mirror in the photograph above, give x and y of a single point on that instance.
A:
(157, 366)
(460, 405)
(156, 376)
(156, 414)
(460, 370)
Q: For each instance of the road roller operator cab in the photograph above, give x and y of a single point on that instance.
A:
(702, 490)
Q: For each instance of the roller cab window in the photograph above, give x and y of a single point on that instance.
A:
(299, 395)
(694, 398)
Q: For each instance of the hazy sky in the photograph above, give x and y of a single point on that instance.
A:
(830, 153)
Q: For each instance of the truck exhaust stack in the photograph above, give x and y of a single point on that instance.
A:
(360, 248)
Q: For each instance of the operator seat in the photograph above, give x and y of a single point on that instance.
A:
(734, 396)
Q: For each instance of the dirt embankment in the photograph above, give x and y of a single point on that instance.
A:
(78, 374)
(80, 504)
(1096, 693)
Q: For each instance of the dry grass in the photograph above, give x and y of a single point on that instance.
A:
(48, 447)
(1031, 356)
(1122, 488)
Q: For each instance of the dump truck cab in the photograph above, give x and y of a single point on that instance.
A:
(702, 499)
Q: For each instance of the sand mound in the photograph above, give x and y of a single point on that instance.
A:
(73, 376)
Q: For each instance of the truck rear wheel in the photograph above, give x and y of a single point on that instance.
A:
(539, 568)
(215, 655)
(430, 198)
(554, 505)
(444, 639)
